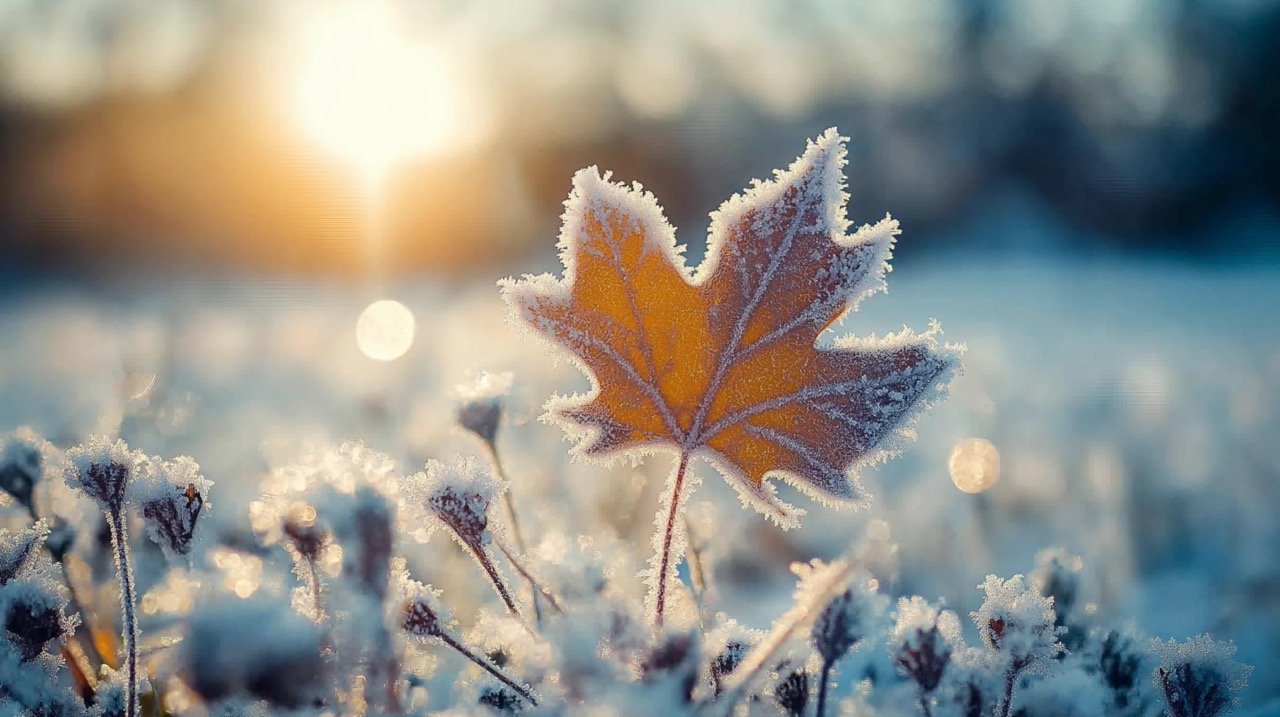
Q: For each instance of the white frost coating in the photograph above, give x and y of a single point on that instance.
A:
(1200, 661)
(458, 494)
(915, 615)
(1018, 622)
(818, 583)
(17, 547)
(83, 464)
(172, 495)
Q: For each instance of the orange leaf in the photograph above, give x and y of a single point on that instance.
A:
(721, 362)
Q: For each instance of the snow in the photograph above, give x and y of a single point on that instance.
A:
(1139, 441)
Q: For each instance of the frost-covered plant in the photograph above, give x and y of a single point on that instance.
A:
(459, 495)
(425, 617)
(1017, 622)
(921, 643)
(1199, 677)
(842, 625)
(171, 495)
(103, 469)
(281, 662)
(21, 466)
(1057, 576)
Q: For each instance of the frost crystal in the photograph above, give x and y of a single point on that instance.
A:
(172, 495)
(21, 465)
(847, 620)
(16, 547)
(922, 640)
(458, 494)
(1199, 677)
(1017, 621)
(103, 468)
(480, 407)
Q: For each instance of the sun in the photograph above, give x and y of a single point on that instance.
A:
(371, 95)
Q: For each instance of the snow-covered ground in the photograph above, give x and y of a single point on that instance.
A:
(1136, 407)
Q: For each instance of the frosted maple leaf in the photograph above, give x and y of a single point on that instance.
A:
(720, 362)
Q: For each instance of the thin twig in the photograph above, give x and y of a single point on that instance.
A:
(482, 557)
(538, 587)
(488, 667)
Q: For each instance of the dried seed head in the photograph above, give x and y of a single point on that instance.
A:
(304, 534)
(21, 464)
(726, 662)
(172, 495)
(1119, 663)
(287, 670)
(674, 660)
(846, 620)
(102, 468)
(1057, 576)
(1200, 677)
(792, 693)
(61, 539)
(458, 495)
(367, 537)
(481, 405)
(33, 618)
(500, 699)
(424, 616)
(1017, 621)
(922, 640)
(16, 546)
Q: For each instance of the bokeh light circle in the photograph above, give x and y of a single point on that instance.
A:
(385, 330)
(974, 465)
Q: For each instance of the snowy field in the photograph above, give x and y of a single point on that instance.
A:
(1136, 408)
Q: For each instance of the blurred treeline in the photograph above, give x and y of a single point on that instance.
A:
(154, 130)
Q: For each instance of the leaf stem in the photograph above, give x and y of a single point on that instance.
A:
(487, 667)
(677, 487)
(128, 606)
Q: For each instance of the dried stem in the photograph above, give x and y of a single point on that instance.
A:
(824, 683)
(482, 557)
(128, 606)
(501, 473)
(668, 533)
(924, 705)
(538, 587)
(507, 499)
(84, 630)
(313, 580)
(488, 667)
(1010, 680)
(697, 572)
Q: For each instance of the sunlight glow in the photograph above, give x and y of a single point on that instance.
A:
(385, 330)
(372, 96)
(975, 465)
